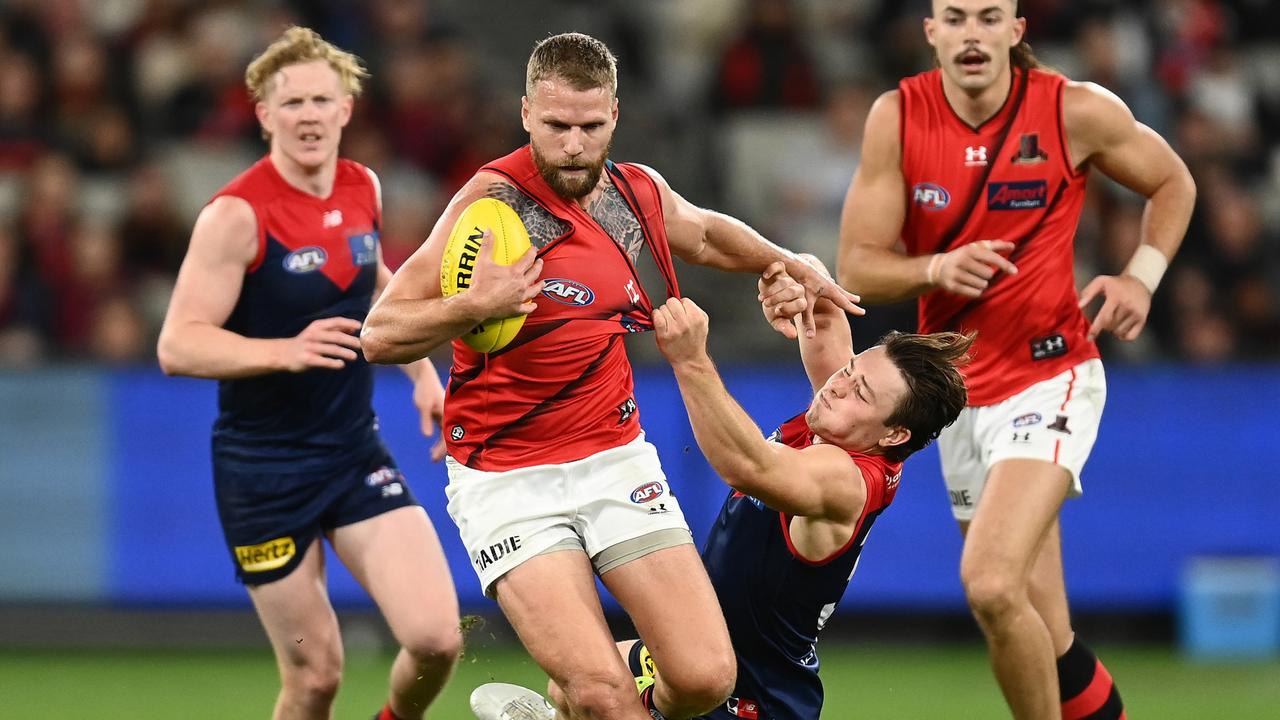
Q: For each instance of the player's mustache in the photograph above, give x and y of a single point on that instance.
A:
(972, 53)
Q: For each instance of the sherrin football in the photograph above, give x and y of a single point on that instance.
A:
(510, 240)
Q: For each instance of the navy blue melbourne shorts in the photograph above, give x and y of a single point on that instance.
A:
(270, 519)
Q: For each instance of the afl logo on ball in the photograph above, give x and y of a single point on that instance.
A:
(305, 260)
(647, 492)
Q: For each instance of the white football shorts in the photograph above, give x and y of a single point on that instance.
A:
(596, 503)
(1055, 420)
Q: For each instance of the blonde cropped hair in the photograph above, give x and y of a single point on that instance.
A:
(582, 61)
(300, 45)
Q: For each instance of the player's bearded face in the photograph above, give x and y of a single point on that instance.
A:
(572, 177)
(570, 134)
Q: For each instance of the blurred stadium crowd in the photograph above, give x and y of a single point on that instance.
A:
(119, 118)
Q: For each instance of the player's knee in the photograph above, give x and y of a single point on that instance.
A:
(702, 688)
(315, 684)
(434, 646)
(599, 696)
(992, 592)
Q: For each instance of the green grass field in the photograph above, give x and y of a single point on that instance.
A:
(862, 682)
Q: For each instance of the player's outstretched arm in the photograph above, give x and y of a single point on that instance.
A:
(193, 342)
(818, 482)
(706, 237)
(1101, 131)
(410, 318)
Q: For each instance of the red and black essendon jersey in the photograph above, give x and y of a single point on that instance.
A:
(1007, 179)
(562, 390)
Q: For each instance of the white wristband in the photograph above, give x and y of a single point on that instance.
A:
(934, 263)
(1147, 265)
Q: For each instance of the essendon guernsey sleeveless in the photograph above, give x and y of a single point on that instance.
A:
(774, 601)
(562, 390)
(1008, 179)
(317, 258)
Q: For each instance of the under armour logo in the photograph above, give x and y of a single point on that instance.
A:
(1021, 437)
(975, 155)
(632, 292)
(333, 218)
(1047, 347)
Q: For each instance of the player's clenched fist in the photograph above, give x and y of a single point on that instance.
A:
(681, 329)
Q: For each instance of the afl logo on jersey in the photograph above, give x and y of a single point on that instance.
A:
(930, 196)
(568, 292)
(646, 492)
(305, 260)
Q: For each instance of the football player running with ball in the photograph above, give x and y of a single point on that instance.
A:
(551, 480)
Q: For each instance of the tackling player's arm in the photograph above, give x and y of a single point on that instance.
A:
(193, 342)
(706, 237)
(410, 318)
(1103, 132)
(819, 482)
(875, 207)
(829, 348)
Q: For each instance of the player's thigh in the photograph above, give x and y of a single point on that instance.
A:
(298, 618)
(1020, 503)
(396, 556)
(551, 602)
(1055, 420)
(675, 610)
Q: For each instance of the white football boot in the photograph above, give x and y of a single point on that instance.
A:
(504, 701)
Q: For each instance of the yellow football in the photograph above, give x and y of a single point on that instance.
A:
(510, 240)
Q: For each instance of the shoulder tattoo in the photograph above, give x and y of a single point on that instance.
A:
(543, 227)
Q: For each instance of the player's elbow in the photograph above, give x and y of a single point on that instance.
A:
(167, 353)
(375, 347)
(847, 265)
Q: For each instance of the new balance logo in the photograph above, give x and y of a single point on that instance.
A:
(333, 218)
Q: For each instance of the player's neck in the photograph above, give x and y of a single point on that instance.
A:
(317, 181)
(977, 107)
(586, 201)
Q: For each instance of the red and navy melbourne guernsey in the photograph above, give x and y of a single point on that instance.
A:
(562, 390)
(317, 258)
(775, 601)
(1007, 179)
